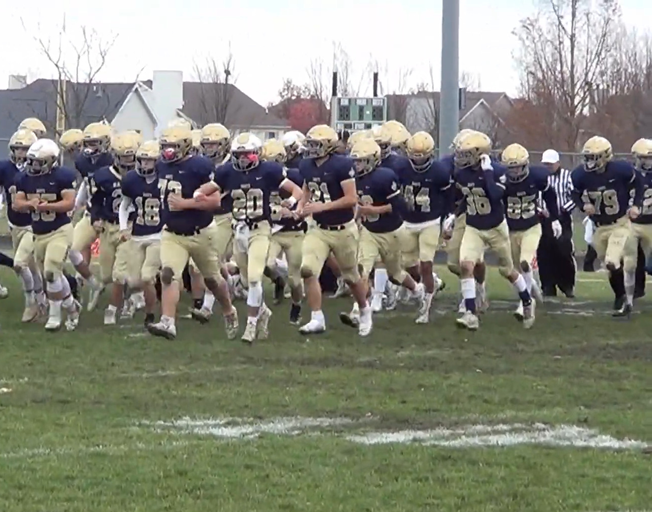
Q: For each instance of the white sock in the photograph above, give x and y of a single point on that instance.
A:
(209, 301)
(380, 280)
(630, 285)
(28, 280)
(318, 316)
(529, 280)
(167, 320)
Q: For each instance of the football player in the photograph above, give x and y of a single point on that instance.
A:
(105, 209)
(293, 142)
(602, 188)
(95, 155)
(189, 229)
(330, 196)
(287, 235)
(380, 208)
(426, 186)
(196, 142)
(34, 125)
(71, 144)
(523, 187)
(252, 183)
(20, 226)
(453, 231)
(48, 192)
(483, 185)
(215, 140)
(140, 188)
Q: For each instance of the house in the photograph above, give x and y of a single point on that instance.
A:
(142, 105)
(483, 111)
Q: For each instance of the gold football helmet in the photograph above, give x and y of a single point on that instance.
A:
(19, 143)
(71, 140)
(42, 157)
(215, 139)
(321, 141)
(146, 156)
(470, 149)
(176, 143)
(97, 139)
(642, 153)
(394, 125)
(384, 137)
(274, 151)
(123, 148)
(517, 160)
(137, 135)
(357, 137)
(399, 140)
(460, 135)
(196, 142)
(245, 151)
(179, 121)
(366, 155)
(597, 153)
(420, 149)
(33, 124)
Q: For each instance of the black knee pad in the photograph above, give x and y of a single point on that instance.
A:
(306, 273)
(525, 266)
(167, 276)
(49, 277)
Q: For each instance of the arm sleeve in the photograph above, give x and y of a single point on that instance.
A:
(576, 191)
(550, 198)
(82, 195)
(123, 213)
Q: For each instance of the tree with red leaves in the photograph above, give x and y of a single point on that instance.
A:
(305, 113)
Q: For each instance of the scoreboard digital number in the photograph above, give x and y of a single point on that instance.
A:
(355, 114)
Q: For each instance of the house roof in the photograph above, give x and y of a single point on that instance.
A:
(472, 99)
(104, 100)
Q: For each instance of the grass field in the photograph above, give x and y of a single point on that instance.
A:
(412, 419)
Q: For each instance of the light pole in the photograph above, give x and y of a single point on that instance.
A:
(449, 99)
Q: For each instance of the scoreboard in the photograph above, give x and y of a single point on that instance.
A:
(356, 114)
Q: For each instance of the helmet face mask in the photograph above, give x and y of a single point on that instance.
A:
(245, 160)
(42, 157)
(146, 166)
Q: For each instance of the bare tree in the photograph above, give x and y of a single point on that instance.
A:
(216, 89)
(562, 55)
(425, 113)
(78, 57)
(470, 81)
(319, 86)
(396, 86)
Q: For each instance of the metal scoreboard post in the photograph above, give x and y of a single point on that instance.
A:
(356, 114)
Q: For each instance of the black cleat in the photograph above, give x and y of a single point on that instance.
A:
(279, 290)
(619, 302)
(295, 314)
(149, 319)
(624, 312)
(349, 320)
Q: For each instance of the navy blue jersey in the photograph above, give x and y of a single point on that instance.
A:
(646, 210)
(608, 191)
(9, 174)
(276, 198)
(427, 193)
(145, 194)
(483, 192)
(87, 166)
(521, 199)
(184, 178)
(325, 185)
(47, 187)
(393, 162)
(226, 203)
(106, 199)
(251, 190)
(294, 162)
(378, 188)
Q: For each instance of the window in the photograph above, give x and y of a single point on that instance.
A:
(271, 135)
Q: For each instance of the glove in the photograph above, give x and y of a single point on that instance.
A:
(556, 228)
(485, 163)
(449, 223)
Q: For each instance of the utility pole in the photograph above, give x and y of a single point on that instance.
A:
(449, 102)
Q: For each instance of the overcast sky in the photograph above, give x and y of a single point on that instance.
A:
(277, 39)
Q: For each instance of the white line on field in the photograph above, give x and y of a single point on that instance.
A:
(501, 435)
(85, 450)
(186, 371)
